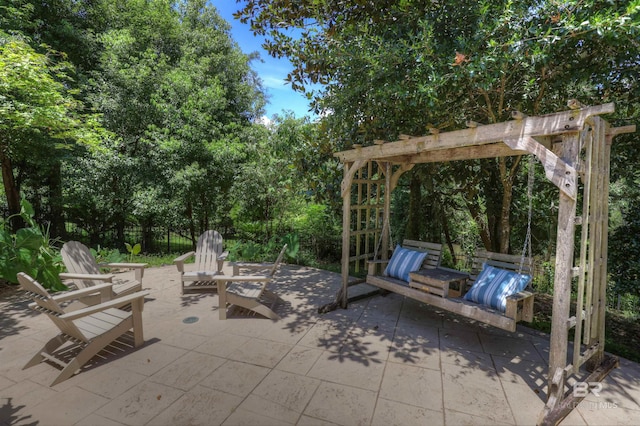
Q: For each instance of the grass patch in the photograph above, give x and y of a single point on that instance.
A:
(156, 260)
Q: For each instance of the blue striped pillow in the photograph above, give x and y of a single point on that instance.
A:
(494, 285)
(404, 261)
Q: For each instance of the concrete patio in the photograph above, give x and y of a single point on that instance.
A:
(384, 361)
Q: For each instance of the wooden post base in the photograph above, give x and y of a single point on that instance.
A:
(561, 409)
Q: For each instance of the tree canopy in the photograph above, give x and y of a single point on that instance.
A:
(407, 67)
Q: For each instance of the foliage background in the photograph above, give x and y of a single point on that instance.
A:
(144, 113)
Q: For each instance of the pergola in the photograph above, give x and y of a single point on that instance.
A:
(574, 148)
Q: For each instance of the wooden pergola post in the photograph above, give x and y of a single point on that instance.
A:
(346, 231)
(386, 214)
(580, 131)
(562, 280)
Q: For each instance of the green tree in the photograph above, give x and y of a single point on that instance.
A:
(60, 26)
(34, 101)
(394, 67)
(207, 104)
(178, 95)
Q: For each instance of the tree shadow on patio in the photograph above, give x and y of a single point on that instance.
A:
(11, 415)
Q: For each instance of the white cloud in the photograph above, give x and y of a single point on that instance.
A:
(274, 82)
(265, 121)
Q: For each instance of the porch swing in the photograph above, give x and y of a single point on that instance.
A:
(572, 145)
(517, 306)
(509, 300)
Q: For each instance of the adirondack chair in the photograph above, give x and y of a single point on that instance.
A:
(209, 260)
(249, 291)
(91, 328)
(84, 271)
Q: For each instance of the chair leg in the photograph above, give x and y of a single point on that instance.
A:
(222, 300)
(265, 311)
(90, 350)
(136, 316)
(255, 306)
(48, 348)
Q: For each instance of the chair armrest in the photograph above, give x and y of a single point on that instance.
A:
(125, 265)
(103, 289)
(179, 261)
(115, 303)
(240, 278)
(139, 268)
(250, 266)
(94, 277)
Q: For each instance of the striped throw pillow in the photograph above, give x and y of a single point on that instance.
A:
(404, 261)
(494, 285)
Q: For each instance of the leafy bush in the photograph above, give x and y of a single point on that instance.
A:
(322, 231)
(624, 264)
(133, 250)
(29, 250)
(106, 255)
(254, 252)
(543, 282)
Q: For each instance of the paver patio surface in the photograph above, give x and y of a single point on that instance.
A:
(384, 361)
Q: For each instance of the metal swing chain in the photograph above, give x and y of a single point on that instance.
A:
(527, 238)
(377, 250)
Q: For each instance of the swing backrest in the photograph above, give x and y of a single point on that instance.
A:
(510, 262)
(434, 252)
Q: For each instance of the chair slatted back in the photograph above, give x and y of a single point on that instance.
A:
(78, 260)
(207, 251)
(276, 265)
(510, 262)
(434, 252)
(46, 304)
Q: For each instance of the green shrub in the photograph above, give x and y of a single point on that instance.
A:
(29, 250)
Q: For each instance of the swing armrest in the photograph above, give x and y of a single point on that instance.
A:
(519, 296)
(372, 266)
(520, 306)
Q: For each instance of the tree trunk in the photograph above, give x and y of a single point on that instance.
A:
(192, 227)
(507, 178)
(478, 218)
(56, 220)
(447, 234)
(11, 189)
(146, 225)
(504, 224)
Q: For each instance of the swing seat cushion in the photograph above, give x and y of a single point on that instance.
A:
(404, 261)
(494, 285)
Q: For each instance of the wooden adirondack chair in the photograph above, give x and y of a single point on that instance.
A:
(209, 260)
(91, 328)
(249, 291)
(84, 271)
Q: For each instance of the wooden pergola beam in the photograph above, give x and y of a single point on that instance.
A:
(493, 150)
(545, 125)
(563, 175)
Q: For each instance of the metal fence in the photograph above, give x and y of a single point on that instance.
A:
(166, 241)
(157, 240)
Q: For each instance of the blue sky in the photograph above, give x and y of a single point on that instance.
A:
(272, 71)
